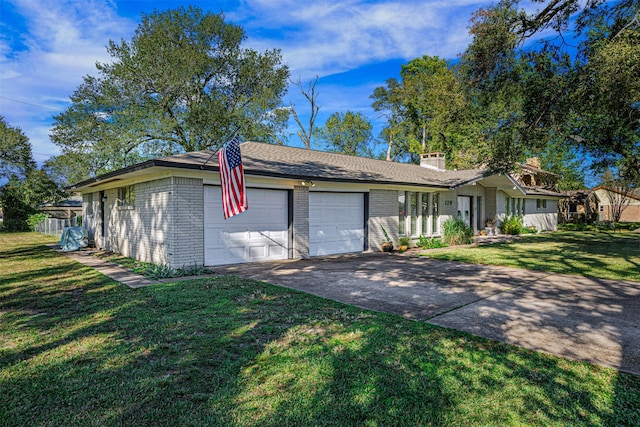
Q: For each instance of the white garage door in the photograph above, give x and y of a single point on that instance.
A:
(258, 234)
(336, 223)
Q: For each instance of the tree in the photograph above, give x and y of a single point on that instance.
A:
(618, 191)
(564, 161)
(183, 83)
(588, 101)
(347, 133)
(15, 151)
(389, 103)
(305, 133)
(27, 186)
(428, 110)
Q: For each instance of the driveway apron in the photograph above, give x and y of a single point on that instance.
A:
(593, 320)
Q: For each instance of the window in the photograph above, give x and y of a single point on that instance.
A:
(126, 196)
(424, 212)
(413, 200)
(514, 206)
(417, 213)
(89, 211)
(434, 214)
(402, 217)
(541, 203)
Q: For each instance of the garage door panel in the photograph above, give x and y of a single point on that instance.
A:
(258, 234)
(336, 223)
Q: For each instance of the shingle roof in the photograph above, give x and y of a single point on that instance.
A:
(539, 191)
(261, 159)
(279, 161)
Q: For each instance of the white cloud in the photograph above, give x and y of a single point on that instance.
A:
(58, 45)
(328, 37)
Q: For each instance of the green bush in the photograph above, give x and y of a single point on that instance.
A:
(430, 243)
(36, 219)
(457, 232)
(404, 241)
(15, 209)
(512, 225)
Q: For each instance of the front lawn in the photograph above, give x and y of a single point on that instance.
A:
(79, 349)
(595, 254)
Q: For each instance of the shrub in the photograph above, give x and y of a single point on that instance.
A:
(511, 225)
(404, 241)
(155, 271)
(430, 243)
(36, 219)
(457, 232)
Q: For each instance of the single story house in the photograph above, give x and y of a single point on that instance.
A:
(615, 200)
(302, 203)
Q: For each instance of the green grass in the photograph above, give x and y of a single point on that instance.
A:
(604, 255)
(79, 349)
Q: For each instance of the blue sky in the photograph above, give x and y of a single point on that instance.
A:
(47, 46)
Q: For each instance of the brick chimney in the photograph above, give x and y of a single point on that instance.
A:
(534, 162)
(435, 161)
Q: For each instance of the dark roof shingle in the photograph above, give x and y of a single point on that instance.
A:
(299, 163)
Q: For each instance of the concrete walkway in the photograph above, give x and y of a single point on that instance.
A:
(110, 269)
(594, 320)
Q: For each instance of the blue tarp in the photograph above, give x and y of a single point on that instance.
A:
(73, 238)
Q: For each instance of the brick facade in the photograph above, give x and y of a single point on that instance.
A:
(164, 226)
(383, 212)
(300, 222)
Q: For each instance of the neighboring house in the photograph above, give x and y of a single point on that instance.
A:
(612, 200)
(532, 177)
(302, 203)
(579, 206)
(65, 209)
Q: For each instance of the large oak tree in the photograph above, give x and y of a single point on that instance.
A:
(182, 83)
(578, 89)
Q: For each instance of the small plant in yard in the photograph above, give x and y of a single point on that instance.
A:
(387, 245)
(160, 272)
(457, 232)
(36, 219)
(404, 243)
(512, 225)
(430, 243)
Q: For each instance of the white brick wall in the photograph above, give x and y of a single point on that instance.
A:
(383, 212)
(300, 221)
(187, 223)
(165, 226)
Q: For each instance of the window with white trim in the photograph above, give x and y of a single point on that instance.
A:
(514, 206)
(541, 203)
(89, 205)
(418, 214)
(126, 196)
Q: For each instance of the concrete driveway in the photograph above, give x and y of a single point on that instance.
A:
(594, 320)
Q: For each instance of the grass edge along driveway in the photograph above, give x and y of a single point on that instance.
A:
(601, 255)
(79, 349)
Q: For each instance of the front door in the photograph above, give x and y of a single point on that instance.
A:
(464, 209)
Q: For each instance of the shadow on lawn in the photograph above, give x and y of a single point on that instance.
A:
(579, 252)
(227, 351)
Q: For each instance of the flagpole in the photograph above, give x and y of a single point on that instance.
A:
(216, 152)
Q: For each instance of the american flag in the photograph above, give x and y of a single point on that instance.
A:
(234, 197)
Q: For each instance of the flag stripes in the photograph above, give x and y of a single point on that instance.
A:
(234, 198)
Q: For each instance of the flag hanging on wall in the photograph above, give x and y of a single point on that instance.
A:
(234, 196)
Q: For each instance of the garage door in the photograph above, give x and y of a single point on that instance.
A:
(336, 223)
(258, 234)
